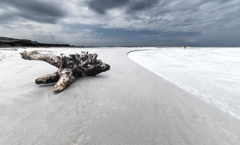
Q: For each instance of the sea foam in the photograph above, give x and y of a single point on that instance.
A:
(212, 74)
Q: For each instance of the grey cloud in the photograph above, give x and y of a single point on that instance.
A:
(5, 18)
(179, 34)
(35, 10)
(142, 5)
(100, 6)
(171, 22)
(46, 37)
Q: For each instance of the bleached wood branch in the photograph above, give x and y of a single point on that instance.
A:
(69, 67)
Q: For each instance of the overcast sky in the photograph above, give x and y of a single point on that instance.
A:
(123, 22)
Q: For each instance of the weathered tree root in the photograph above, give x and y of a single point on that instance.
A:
(69, 67)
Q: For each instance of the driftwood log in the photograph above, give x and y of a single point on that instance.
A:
(69, 67)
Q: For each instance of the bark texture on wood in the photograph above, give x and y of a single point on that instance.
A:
(69, 67)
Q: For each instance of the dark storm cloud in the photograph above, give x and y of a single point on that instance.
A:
(142, 5)
(124, 22)
(100, 6)
(35, 10)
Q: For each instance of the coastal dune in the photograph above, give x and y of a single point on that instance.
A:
(125, 105)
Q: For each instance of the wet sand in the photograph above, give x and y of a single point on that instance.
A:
(126, 105)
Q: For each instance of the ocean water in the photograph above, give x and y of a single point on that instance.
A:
(212, 74)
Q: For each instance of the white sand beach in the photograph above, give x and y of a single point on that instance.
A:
(127, 105)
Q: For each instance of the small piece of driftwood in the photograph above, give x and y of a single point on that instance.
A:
(69, 67)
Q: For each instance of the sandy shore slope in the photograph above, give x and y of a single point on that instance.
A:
(127, 105)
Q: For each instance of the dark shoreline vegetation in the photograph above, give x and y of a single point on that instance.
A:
(12, 42)
(6, 42)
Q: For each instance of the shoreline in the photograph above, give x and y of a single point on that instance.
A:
(211, 98)
(126, 105)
